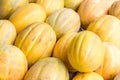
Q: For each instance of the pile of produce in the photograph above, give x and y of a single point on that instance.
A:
(59, 39)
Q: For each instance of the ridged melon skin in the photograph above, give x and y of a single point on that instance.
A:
(64, 21)
(7, 32)
(86, 52)
(90, 10)
(73, 4)
(111, 65)
(27, 15)
(13, 63)
(36, 41)
(107, 28)
(61, 47)
(7, 7)
(49, 68)
(115, 9)
(51, 6)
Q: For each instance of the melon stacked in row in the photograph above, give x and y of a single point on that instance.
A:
(52, 39)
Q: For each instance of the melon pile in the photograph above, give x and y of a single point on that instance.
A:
(59, 39)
